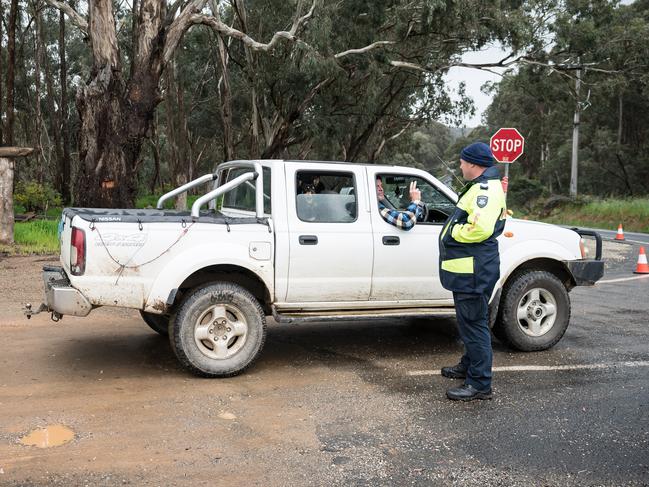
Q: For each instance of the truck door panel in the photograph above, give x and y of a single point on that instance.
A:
(406, 262)
(330, 234)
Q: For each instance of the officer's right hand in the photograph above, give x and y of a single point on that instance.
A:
(505, 182)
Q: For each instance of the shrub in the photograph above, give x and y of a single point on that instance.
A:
(524, 193)
(36, 197)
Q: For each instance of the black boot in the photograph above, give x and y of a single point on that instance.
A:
(455, 372)
(467, 393)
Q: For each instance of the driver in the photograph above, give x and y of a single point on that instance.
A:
(405, 220)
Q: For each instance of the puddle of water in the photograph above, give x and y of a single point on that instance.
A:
(53, 435)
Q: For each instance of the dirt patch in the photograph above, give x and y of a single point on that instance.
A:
(22, 282)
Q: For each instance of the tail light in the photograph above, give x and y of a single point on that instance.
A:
(78, 252)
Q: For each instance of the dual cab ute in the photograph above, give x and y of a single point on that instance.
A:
(301, 241)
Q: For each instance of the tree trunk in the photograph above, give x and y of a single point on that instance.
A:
(620, 114)
(225, 96)
(116, 117)
(7, 155)
(176, 134)
(106, 177)
(54, 114)
(38, 50)
(2, 16)
(155, 151)
(240, 8)
(64, 162)
(11, 67)
(135, 15)
(6, 201)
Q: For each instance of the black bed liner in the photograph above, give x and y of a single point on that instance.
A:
(152, 216)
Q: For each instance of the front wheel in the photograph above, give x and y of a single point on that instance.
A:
(219, 330)
(535, 311)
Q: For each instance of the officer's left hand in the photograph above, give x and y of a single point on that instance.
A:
(415, 194)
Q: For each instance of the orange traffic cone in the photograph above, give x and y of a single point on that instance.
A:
(620, 233)
(642, 267)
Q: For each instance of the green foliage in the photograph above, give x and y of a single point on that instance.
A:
(612, 41)
(36, 237)
(303, 102)
(151, 200)
(524, 193)
(36, 197)
(606, 213)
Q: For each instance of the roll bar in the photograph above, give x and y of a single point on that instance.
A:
(256, 174)
(215, 193)
(185, 187)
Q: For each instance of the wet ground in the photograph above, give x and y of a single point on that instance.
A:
(326, 404)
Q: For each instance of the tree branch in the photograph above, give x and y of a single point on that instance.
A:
(225, 30)
(74, 16)
(363, 49)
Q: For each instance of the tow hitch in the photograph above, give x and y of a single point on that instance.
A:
(29, 312)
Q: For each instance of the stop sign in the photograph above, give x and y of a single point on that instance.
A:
(507, 145)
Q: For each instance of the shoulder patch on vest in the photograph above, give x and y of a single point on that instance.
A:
(484, 185)
(482, 201)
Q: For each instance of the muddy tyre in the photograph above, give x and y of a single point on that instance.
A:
(158, 323)
(534, 311)
(219, 330)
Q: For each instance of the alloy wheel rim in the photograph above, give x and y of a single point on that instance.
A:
(536, 312)
(220, 331)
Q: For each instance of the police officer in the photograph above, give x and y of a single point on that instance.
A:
(470, 267)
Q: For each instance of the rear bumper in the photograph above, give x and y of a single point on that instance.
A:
(586, 272)
(60, 296)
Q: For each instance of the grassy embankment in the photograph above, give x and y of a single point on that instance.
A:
(605, 214)
(40, 236)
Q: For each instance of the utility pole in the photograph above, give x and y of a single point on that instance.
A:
(575, 136)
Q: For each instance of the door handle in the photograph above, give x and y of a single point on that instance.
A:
(308, 240)
(391, 240)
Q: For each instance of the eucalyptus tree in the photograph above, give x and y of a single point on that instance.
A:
(609, 42)
(346, 76)
(116, 105)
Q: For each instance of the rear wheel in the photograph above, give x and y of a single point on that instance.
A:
(158, 323)
(534, 311)
(219, 330)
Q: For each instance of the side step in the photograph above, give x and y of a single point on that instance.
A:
(361, 314)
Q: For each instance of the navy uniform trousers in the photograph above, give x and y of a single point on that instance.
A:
(472, 311)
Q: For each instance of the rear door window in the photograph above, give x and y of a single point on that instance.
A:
(326, 197)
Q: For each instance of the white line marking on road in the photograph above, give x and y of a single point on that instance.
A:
(623, 279)
(525, 368)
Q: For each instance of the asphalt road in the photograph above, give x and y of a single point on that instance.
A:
(328, 404)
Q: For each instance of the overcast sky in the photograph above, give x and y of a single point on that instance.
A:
(474, 79)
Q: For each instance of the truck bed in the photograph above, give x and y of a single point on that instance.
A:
(153, 215)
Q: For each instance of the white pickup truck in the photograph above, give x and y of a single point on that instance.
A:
(301, 241)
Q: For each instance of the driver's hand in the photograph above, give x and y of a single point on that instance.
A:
(415, 194)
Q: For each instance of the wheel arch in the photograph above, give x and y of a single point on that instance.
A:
(556, 267)
(227, 273)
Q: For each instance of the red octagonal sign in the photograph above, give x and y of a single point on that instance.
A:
(507, 145)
